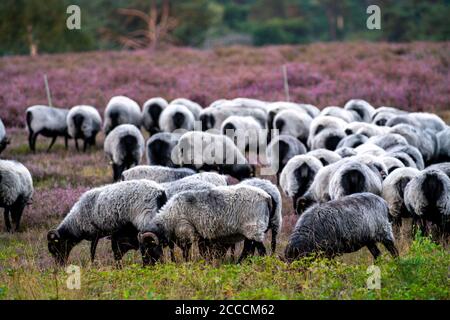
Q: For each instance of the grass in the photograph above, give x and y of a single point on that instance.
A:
(27, 271)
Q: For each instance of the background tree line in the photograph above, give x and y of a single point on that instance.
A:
(32, 26)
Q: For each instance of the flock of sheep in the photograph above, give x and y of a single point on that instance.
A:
(353, 174)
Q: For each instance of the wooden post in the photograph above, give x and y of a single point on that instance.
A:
(286, 83)
(47, 90)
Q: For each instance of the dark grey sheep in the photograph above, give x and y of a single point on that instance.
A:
(121, 110)
(159, 149)
(151, 111)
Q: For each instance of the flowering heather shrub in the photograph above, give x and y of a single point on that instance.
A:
(411, 76)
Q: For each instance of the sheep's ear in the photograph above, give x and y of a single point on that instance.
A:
(53, 236)
(148, 238)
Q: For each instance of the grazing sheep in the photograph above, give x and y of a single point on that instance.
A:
(338, 112)
(367, 129)
(4, 140)
(402, 119)
(429, 121)
(159, 148)
(151, 111)
(125, 147)
(393, 192)
(276, 219)
(16, 190)
(158, 174)
(293, 123)
(193, 107)
(404, 158)
(388, 140)
(443, 145)
(354, 177)
(343, 226)
(221, 216)
(362, 110)
(47, 121)
(244, 131)
(325, 156)
(374, 163)
(194, 182)
(276, 107)
(427, 198)
(206, 151)
(298, 175)
(121, 110)
(84, 122)
(345, 152)
(411, 151)
(119, 210)
(444, 167)
(352, 141)
(326, 132)
(280, 150)
(175, 117)
(392, 163)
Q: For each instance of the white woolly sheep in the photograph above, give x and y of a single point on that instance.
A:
(151, 111)
(367, 129)
(427, 198)
(194, 182)
(84, 122)
(276, 107)
(218, 217)
(370, 148)
(411, 151)
(124, 145)
(388, 140)
(159, 148)
(175, 117)
(429, 121)
(121, 110)
(338, 112)
(193, 107)
(4, 140)
(158, 174)
(325, 156)
(298, 175)
(362, 110)
(119, 210)
(293, 123)
(16, 191)
(47, 121)
(392, 163)
(326, 132)
(352, 141)
(343, 226)
(243, 131)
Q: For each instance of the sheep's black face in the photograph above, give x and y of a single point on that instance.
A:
(150, 247)
(242, 171)
(302, 205)
(59, 248)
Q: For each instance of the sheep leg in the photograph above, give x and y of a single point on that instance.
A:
(117, 172)
(76, 145)
(66, 142)
(172, 251)
(32, 141)
(17, 212)
(374, 250)
(260, 247)
(248, 247)
(51, 144)
(117, 252)
(94, 244)
(7, 222)
(274, 241)
(186, 250)
(390, 246)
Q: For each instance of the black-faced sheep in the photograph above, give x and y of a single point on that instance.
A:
(293, 123)
(205, 151)
(16, 191)
(159, 174)
(4, 140)
(362, 110)
(388, 140)
(47, 121)
(124, 145)
(276, 107)
(84, 122)
(411, 151)
(246, 132)
(176, 117)
(427, 198)
(352, 141)
(393, 192)
(221, 216)
(367, 129)
(193, 107)
(325, 132)
(119, 210)
(325, 156)
(280, 150)
(151, 111)
(392, 163)
(343, 226)
(298, 175)
(121, 110)
(159, 148)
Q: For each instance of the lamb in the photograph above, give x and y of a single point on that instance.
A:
(354, 177)
(338, 112)
(47, 121)
(325, 156)
(352, 141)
(298, 175)
(218, 217)
(119, 210)
(124, 145)
(293, 123)
(205, 151)
(121, 110)
(193, 107)
(84, 122)
(16, 191)
(175, 117)
(151, 111)
(276, 219)
(4, 140)
(343, 226)
(158, 174)
(427, 198)
(362, 110)
(393, 192)
(159, 148)
(280, 150)
(244, 131)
